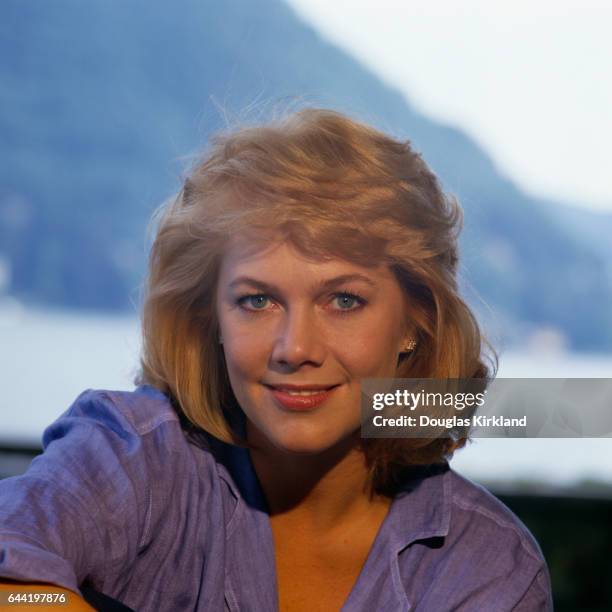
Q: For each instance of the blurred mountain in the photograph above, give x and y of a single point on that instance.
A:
(102, 100)
(595, 226)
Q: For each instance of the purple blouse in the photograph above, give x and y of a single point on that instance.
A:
(123, 500)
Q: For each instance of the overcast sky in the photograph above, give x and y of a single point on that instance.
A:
(530, 80)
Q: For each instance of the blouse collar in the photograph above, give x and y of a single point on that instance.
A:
(419, 511)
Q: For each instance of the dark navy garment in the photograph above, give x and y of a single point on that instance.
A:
(123, 500)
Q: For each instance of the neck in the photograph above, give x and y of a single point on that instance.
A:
(323, 490)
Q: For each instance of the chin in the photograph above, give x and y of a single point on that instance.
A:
(305, 441)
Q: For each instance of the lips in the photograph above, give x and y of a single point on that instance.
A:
(301, 397)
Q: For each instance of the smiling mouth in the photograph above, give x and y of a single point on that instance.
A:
(300, 398)
(305, 390)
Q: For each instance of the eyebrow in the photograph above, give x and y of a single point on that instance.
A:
(321, 286)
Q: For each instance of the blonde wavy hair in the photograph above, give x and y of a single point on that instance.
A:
(332, 187)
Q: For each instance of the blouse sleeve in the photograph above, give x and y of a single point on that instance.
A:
(538, 596)
(81, 508)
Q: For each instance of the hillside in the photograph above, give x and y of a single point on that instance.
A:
(102, 100)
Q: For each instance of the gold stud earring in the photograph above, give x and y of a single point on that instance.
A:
(410, 346)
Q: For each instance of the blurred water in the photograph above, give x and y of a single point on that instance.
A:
(48, 357)
(548, 461)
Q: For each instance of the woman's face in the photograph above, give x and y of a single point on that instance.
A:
(286, 320)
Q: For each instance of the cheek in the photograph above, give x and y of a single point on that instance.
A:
(367, 352)
(242, 371)
(246, 353)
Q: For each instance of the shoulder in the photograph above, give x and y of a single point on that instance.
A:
(135, 436)
(495, 543)
(116, 443)
(478, 513)
(125, 421)
(136, 412)
(439, 502)
(472, 552)
(117, 491)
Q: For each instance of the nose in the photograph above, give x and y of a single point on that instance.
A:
(299, 340)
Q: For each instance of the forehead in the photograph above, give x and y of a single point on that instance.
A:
(280, 259)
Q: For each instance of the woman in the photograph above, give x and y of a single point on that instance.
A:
(298, 258)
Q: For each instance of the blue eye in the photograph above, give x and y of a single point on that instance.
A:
(348, 301)
(255, 301)
(345, 302)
